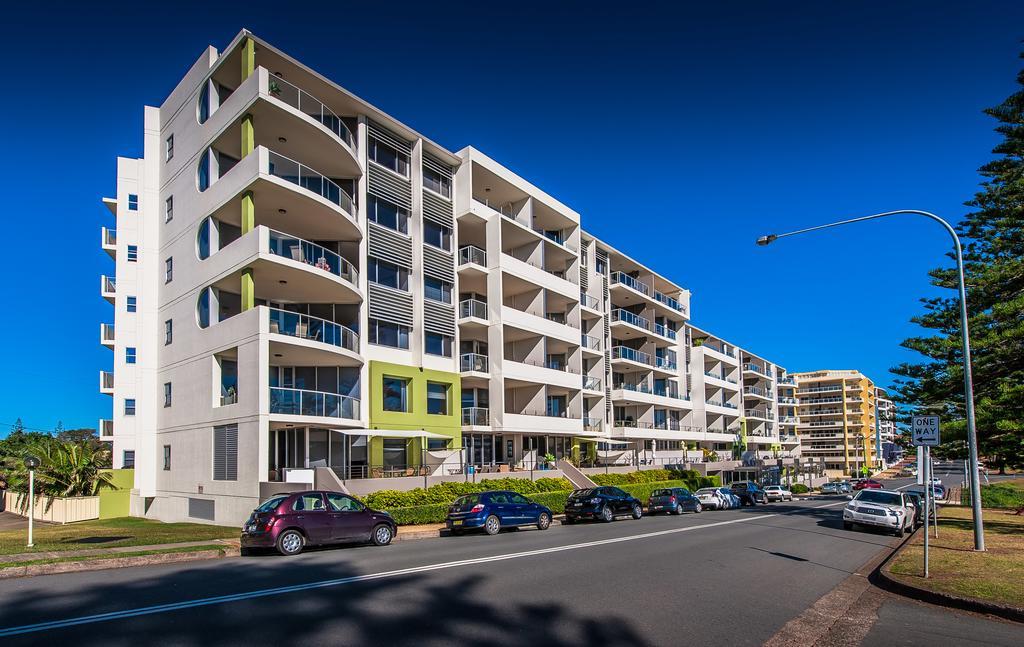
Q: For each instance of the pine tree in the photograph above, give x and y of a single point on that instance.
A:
(18, 427)
(994, 270)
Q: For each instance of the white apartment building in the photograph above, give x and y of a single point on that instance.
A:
(309, 292)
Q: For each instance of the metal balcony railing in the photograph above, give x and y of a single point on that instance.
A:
(291, 171)
(310, 105)
(293, 324)
(629, 281)
(476, 416)
(472, 254)
(107, 332)
(473, 362)
(109, 237)
(590, 302)
(591, 383)
(320, 257)
(472, 308)
(591, 342)
(302, 402)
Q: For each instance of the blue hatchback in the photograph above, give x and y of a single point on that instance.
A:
(495, 510)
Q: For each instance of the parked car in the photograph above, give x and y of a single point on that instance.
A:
(734, 501)
(711, 498)
(290, 522)
(918, 500)
(908, 471)
(834, 487)
(886, 509)
(778, 493)
(868, 484)
(676, 500)
(604, 503)
(494, 510)
(750, 493)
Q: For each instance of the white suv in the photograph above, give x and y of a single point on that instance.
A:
(887, 509)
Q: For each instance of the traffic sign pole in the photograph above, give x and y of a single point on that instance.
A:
(923, 469)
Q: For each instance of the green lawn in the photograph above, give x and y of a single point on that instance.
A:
(993, 576)
(1003, 494)
(108, 533)
(89, 558)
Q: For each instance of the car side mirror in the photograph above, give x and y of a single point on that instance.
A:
(849, 497)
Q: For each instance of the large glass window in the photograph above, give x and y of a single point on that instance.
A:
(128, 459)
(437, 398)
(436, 344)
(437, 182)
(389, 157)
(203, 239)
(437, 290)
(396, 394)
(169, 209)
(203, 308)
(394, 452)
(203, 109)
(167, 394)
(387, 274)
(437, 235)
(203, 172)
(385, 333)
(387, 214)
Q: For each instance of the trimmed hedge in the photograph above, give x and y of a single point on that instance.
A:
(799, 488)
(447, 492)
(690, 479)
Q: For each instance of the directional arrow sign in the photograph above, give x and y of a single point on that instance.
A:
(925, 431)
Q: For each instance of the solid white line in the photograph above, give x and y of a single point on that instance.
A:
(220, 599)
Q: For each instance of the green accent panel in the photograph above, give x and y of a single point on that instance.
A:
(248, 212)
(743, 433)
(417, 418)
(248, 58)
(248, 290)
(116, 503)
(248, 135)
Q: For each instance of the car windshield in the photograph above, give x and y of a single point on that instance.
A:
(271, 503)
(875, 496)
(774, 487)
(662, 492)
(707, 490)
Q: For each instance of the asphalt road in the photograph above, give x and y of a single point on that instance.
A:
(732, 577)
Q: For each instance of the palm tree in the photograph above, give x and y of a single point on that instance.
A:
(66, 469)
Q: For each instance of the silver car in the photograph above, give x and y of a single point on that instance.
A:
(778, 493)
(888, 509)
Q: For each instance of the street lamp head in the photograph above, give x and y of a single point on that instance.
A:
(31, 462)
(766, 240)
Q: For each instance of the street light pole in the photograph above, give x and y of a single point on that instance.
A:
(972, 437)
(31, 462)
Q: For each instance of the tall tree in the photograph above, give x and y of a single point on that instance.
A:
(994, 269)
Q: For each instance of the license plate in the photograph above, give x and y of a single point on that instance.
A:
(457, 522)
(872, 511)
(577, 504)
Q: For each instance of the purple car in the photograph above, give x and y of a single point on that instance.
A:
(290, 522)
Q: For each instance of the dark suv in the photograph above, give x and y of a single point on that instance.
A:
(604, 503)
(750, 493)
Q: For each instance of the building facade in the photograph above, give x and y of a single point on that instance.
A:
(309, 292)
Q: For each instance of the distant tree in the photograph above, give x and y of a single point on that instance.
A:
(59, 429)
(17, 427)
(994, 269)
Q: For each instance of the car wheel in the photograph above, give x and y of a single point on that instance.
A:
(290, 542)
(382, 535)
(492, 525)
(698, 508)
(679, 508)
(606, 514)
(899, 532)
(543, 521)
(847, 525)
(637, 511)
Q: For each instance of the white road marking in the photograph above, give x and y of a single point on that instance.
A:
(220, 599)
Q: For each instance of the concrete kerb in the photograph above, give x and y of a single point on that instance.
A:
(883, 578)
(31, 570)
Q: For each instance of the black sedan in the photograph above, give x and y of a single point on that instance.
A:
(750, 493)
(604, 503)
(676, 500)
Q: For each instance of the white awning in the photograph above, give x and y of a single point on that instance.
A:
(392, 433)
(603, 439)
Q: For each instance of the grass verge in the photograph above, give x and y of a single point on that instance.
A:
(110, 533)
(992, 576)
(90, 558)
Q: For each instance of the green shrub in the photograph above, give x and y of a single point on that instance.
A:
(647, 476)
(451, 490)
(553, 500)
(419, 514)
(799, 488)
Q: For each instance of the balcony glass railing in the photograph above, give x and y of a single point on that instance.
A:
(755, 413)
(669, 301)
(106, 380)
(472, 308)
(472, 254)
(592, 424)
(630, 282)
(108, 285)
(755, 390)
(476, 416)
(591, 342)
(301, 402)
(624, 352)
(626, 316)
(312, 254)
(720, 376)
(293, 324)
(557, 317)
(300, 174)
(787, 380)
(473, 362)
(755, 368)
(820, 389)
(666, 363)
(589, 302)
(307, 103)
(109, 237)
(107, 332)
(591, 383)
(553, 364)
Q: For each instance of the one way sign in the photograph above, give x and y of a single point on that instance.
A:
(925, 431)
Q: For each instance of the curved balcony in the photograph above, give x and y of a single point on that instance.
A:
(302, 340)
(303, 403)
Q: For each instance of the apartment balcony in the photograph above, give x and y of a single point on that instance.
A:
(540, 422)
(632, 326)
(531, 371)
(721, 377)
(473, 313)
(108, 288)
(820, 389)
(472, 260)
(106, 429)
(660, 430)
(789, 439)
(787, 400)
(719, 351)
(532, 272)
(535, 323)
(107, 335)
(758, 414)
(644, 393)
(757, 392)
(806, 401)
(731, 409)
(474, 363)
(310, 407)
(822, 412)
(476, 417)
(591, 344)
(622, 282)
(591, 383)
(108, 241)
(788, 420)
(107, 382)
(590, 303)
(821, 423)
(302, 340)
(638, 359)
(786, 381)
(755, 369)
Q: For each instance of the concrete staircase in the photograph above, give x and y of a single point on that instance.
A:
(326, 479)
(576, 477)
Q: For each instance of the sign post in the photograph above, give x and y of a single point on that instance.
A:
(925, 433)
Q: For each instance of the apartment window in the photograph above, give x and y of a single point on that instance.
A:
(168, 270)
(387, 274)
(438, 344)
(437, 235)
(168, 331)
(203, 308)
(129, 406)
(167, 394)
(396, 394)
(133, 202)
(169, 209)
(169, 148)
(436, 444)
(437, 290)
(133, 253)
(387, 214)
(128, 459)
(437, 398)
(129, 355)
(437, 182)
(167, 458)
(130, 304)
(225, 453)
(389, 157)
(384, 333)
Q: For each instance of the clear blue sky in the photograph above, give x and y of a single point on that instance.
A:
(680, 134)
